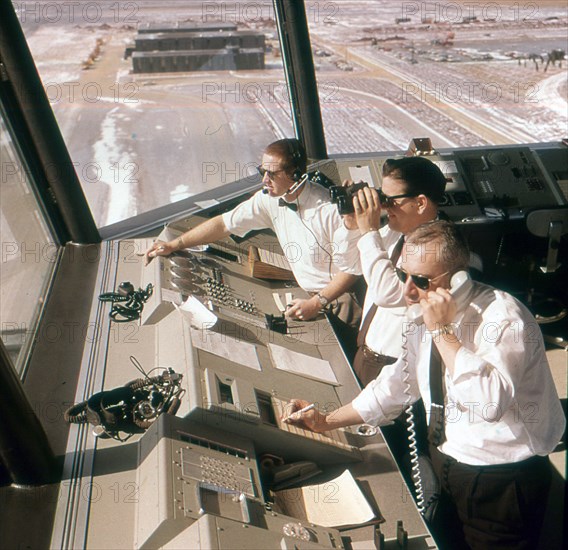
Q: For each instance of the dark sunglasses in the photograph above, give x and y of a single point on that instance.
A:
(388, 202)
(271, 173)
(420, 281)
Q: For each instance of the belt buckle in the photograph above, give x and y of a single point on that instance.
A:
(369, 353)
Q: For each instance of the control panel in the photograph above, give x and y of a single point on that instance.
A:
(219, 275)
(222, 461)
(512, 180)
(484, 184)
(246, 360)
(191, 479)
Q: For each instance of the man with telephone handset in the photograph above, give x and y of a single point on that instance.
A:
(476, 354)
(320, 249)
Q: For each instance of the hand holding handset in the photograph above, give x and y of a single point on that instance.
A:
(460, 285)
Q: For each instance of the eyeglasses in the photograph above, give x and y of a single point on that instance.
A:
(388, 202)
(271, 173)
(420, 281)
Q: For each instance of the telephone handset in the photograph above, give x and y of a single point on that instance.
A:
(460, 285)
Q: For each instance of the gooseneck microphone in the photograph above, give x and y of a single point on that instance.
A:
(293, 188)
(297, 185)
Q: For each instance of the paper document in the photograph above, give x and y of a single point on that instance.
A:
(302, 364)
(361, 173)
(335, 503)
(171, 296)
(224, 346)
(196, 314)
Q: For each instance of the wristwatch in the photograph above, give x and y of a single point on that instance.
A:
(322, 300)
(446, 330)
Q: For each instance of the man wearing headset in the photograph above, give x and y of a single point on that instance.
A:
(321, 251)
(478, 358)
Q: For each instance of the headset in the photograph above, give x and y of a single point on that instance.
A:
(296, 156)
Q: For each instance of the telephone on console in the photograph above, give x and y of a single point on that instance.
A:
(460, 285)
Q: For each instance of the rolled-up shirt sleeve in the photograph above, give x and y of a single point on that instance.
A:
(341, 243)
(249, 215)
(378, 270)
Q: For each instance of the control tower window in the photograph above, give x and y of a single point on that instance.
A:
(28, 256)
(391, 71)
(159, 101)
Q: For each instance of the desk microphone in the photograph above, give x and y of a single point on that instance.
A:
(265, 190)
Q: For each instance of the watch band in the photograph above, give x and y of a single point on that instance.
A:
(324, 302)
(444, 329)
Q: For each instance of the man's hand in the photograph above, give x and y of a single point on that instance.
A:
(303, 309)
(367, 210)
(159, 248)
(312, 419)
(350, 221)
(439, 308)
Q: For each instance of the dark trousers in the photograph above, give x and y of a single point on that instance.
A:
(490, 507)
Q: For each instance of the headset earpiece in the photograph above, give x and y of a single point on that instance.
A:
(296, 158)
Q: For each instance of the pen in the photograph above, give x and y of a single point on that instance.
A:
(300, 412)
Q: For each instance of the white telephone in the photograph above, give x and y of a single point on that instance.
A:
(460, 285)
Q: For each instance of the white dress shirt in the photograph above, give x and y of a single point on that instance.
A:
(384, 289)
(314, 239)
(501, 402)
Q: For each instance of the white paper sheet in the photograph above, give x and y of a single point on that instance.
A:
(337, 502)
(196, 314)
(302, 364)
(222, 345)
(207, 203)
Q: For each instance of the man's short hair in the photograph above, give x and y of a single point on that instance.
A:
(446, 240)
(291, 153)
(420, 175)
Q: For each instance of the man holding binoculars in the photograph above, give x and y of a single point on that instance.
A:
(411, 190)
